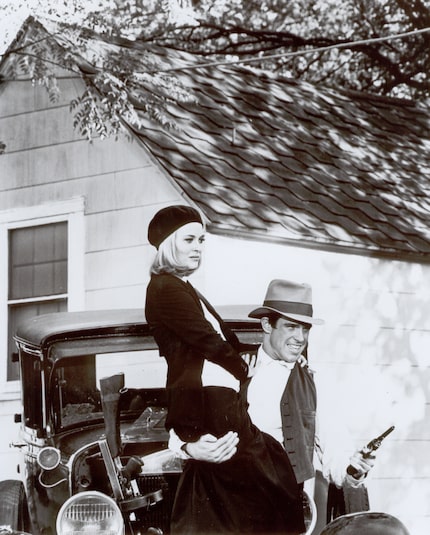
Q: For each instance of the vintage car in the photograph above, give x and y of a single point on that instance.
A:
(92, 435)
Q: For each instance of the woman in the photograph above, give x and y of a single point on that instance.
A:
(255, 491)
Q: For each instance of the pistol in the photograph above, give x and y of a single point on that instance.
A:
(367, 451)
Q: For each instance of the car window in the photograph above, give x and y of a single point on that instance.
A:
(32, 391)
(140, 368)
(76, 384)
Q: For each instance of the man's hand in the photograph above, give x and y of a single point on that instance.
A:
(251, 360)
(209, 448)
(362, 463)
(302, 361)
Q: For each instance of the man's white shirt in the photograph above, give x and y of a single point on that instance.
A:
(265, 392)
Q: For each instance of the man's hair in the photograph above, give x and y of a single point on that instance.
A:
(165, 260)
(273, 318)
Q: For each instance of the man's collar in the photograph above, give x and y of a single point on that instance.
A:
(264, 359)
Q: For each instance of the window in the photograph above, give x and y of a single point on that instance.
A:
(76, 381)
(41, 271)
(37, 276)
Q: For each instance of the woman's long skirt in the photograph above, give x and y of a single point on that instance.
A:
(255, 492)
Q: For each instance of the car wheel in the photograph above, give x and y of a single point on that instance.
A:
(13, 506)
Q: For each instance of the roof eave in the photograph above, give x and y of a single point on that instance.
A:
(320, 245)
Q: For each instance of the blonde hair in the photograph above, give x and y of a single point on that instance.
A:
(165, 260)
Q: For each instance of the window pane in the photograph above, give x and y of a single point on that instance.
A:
(38, 261)
(32, 392)
(75, 386)
(20, 313)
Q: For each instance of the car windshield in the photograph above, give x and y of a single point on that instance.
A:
(76, 385)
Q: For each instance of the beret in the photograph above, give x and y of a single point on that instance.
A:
(169, 219)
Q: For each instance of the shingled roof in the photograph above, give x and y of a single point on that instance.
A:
(277, 159)
(285, 160)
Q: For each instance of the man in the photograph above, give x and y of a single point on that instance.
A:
(281, 394)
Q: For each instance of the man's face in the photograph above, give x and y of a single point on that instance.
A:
(286, 340)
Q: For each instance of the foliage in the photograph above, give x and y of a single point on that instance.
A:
(109, 48)
(251, 28)
(121, 77)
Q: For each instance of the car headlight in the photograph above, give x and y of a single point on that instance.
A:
(49, 458)
(90, 512)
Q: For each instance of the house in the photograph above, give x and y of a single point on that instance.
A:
(295, 181)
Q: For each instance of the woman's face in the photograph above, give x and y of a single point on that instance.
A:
(189, 241)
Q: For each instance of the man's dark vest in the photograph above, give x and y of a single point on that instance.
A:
(298, 409)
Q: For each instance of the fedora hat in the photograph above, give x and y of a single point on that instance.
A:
(290, 299)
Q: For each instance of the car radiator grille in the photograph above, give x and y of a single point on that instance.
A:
(157, 515)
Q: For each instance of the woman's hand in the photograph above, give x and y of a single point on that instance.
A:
(211, 449)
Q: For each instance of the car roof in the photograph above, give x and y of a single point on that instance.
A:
(40, 331)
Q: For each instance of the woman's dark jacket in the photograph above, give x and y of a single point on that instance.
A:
(185, 338)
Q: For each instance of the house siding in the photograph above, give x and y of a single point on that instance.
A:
(371, 356)
(10, 457)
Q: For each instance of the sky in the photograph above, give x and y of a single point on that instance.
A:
(14, 12)
(9, 23)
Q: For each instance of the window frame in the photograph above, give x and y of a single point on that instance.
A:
(72, 212)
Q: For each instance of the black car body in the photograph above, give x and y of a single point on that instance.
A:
(92, 435)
